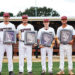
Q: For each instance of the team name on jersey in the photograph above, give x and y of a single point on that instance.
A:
(1, 29)
(28, 29)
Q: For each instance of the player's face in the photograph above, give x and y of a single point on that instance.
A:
(24, 20)
(46, 24)
(64, 21)
(6, 19)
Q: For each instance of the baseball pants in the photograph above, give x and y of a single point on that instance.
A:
(49, 51)
(25, 49)
(8, 49)
(66, 50)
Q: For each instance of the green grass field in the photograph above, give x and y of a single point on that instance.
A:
(36, 68)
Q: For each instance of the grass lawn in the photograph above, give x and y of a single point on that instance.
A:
(36, 68)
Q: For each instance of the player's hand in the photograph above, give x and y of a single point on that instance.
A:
(41, 46)
(35, 45)
(71, 42)
(58, 42)
(52, 45)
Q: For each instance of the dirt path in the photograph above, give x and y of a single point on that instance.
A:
(34, 59)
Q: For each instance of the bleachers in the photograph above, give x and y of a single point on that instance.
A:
(16, 52)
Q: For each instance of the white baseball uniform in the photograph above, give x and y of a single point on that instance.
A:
(25, 48)
(6, 47)
(47, 50)
(65, 49)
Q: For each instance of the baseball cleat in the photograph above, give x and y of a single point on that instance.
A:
(30, 73)
(11, 73)
(51, 73)
(0, 73)
(60, 73)
(71, 73)
(43, 72)
(20, 73)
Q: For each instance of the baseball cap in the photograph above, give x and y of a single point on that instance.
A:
(25, 17)
(6, 15)
(64, 18)
(46, 20)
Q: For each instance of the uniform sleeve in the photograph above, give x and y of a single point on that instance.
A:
(39, 34)
(17, 30)
(58, 33)
(32, 29)
(14, 28)
(73, 33)
(53, 32)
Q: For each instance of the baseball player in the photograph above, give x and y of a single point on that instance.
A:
(6, 47)
(65, 48)
(24, 49)
(44, 49)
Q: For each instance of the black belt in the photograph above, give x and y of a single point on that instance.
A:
(1, 29)
(21, 40)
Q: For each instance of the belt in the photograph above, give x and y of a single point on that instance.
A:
(22, 40)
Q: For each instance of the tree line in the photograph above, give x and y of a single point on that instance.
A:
(36, 11)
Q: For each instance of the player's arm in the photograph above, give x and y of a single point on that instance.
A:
(39, 36)
(14, 28)
(40, 46)
(35, 45)
(53, 42)
(32, 28)
(57, 37)
(73, 36)
(57, 40)
(18, 33)
(71, 42)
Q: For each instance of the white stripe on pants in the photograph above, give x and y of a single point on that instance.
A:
(22, 50)
(66, 49)
(8, 49)
(49, 51)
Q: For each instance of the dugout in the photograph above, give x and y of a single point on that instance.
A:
(37, 23)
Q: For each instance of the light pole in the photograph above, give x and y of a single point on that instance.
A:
(52, 8)
(35, 7)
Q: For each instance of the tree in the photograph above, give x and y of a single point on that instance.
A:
(19, 14)
(11, 14)
(40, 12)
(1, 14)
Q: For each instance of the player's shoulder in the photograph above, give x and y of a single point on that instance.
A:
(51, 28)
(1, 24)
(11, 24)
(70, 26)
(60, 27)
(41, 29)
(19, 26)
(30, 25)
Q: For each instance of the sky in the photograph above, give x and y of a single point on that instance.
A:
(63, 7)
